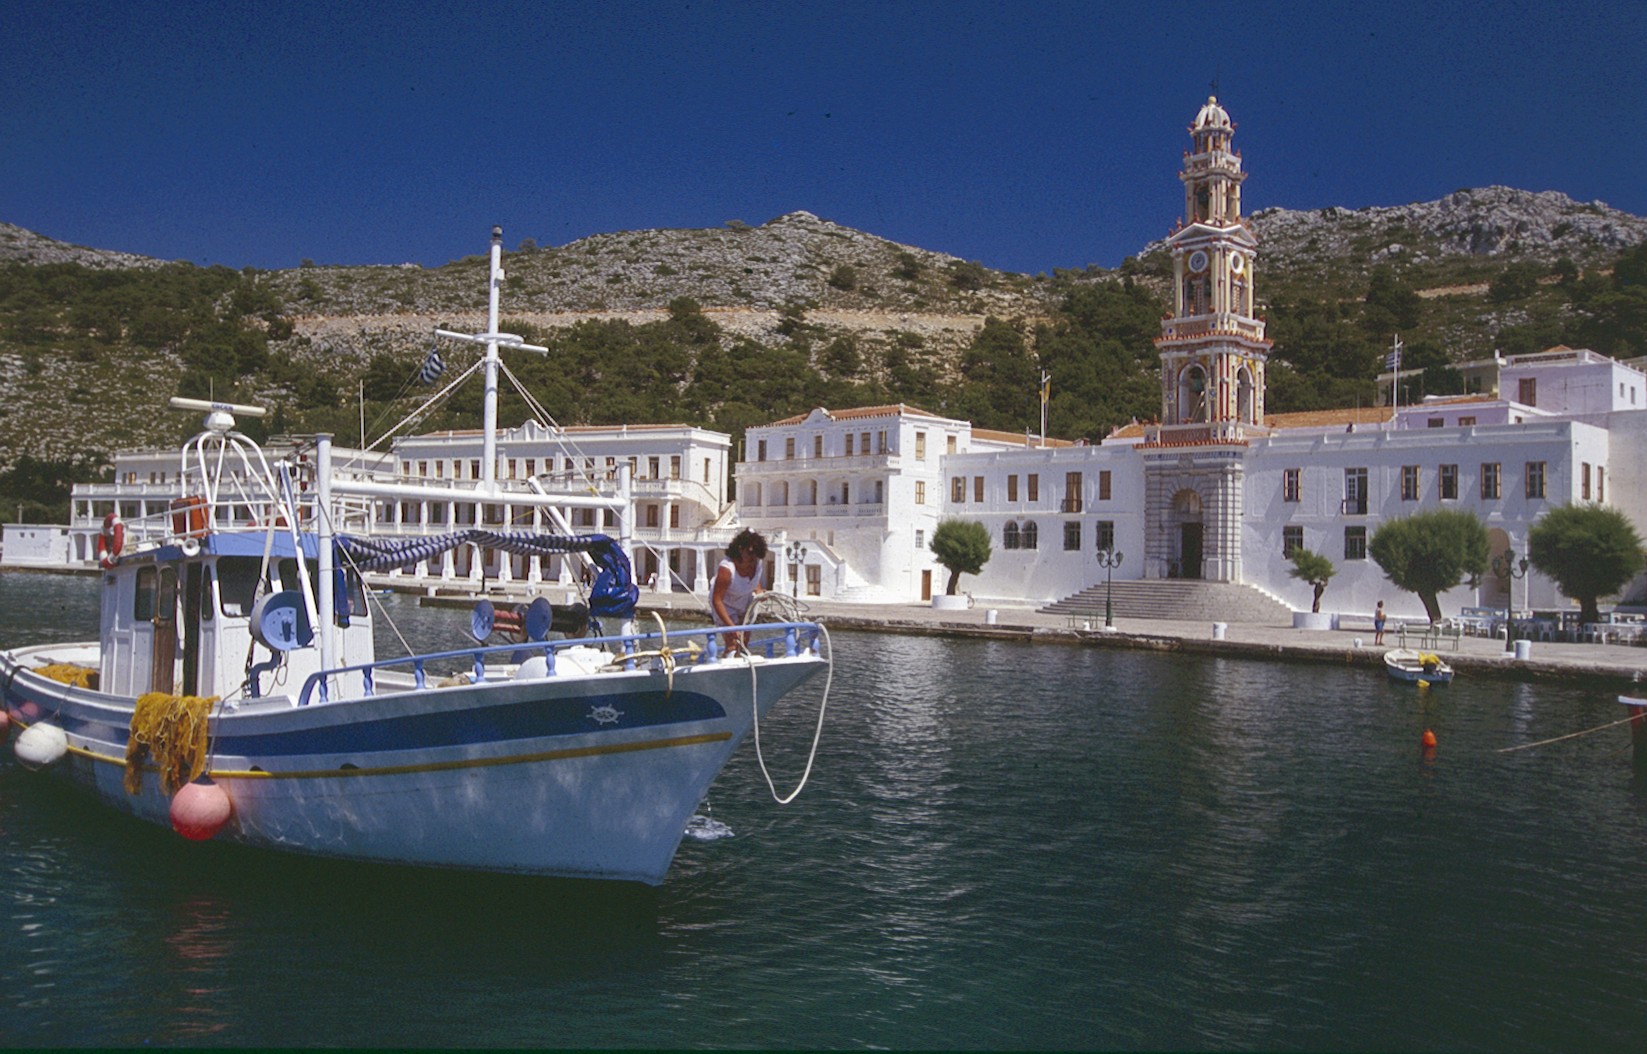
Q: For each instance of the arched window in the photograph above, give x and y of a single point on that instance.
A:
(1031, 535)
(1245, 396)
(1192, 395)
(1009, 535)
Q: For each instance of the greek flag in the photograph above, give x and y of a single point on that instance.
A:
(432, 367)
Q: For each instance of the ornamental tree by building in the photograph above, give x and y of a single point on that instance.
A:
(1315, 569)
(962, 547)
(1429, 553)
(1590, 550)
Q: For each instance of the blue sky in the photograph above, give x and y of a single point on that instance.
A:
(1027, 136)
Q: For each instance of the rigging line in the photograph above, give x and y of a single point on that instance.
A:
(1570, 735)
(338, 550)
(383, 413)
(427, 405)
(566, 444)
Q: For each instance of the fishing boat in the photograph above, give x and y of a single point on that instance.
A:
(236, 690)
(1416, 667)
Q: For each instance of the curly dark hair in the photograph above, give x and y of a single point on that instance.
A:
(747, 541)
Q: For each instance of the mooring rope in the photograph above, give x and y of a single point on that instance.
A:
(817, 734)
(1570, 735)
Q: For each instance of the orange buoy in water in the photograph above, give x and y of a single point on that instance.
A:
(199, 810)
(1429, 739)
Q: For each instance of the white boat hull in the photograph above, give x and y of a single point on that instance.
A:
(589, 776)
(1411, 667)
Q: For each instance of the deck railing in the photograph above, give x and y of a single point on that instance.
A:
(771, 639)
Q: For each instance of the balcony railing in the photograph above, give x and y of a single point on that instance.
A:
(1070, 505)
(1356, 506)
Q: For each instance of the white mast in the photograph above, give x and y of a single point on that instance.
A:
(493, 340)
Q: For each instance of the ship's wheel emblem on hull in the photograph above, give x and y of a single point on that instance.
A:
(605, 715)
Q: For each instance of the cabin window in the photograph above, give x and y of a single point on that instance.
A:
(143, 600)
(237, 585)
(206, 601)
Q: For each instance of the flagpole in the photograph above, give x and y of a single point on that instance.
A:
(1046, 393)
(1395, 378)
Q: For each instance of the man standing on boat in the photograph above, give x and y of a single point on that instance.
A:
(737, 583)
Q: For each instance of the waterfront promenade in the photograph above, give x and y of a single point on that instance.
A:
(1474, 656)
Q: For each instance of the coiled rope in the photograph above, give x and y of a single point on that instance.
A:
(663, 653)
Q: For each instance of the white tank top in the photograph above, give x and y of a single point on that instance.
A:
(739, 591)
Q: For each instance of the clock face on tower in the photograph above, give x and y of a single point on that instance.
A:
(1198, 261)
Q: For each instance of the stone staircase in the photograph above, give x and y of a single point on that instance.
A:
(1183, 599)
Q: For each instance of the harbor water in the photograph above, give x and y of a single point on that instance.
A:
(1003, 845)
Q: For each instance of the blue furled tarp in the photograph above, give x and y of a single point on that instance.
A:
(613, 595)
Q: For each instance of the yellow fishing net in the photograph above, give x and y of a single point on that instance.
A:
(70, 674)
(170, 730)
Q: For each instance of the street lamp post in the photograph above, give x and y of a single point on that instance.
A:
(796, 554)
(1508, 569)
(1109, 560)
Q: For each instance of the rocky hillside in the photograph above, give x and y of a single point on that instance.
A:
(797, 283)
(26, 247)
(1493, 223)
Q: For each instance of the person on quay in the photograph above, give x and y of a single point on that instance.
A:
(1378, 623)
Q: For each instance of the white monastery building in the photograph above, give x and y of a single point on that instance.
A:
(1218, 489)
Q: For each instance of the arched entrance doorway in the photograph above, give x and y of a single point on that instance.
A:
(1187, 528)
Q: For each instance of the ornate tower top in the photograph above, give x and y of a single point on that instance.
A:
(1212, 171)
(1212, 346)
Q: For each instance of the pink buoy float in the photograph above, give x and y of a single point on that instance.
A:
(199, 810)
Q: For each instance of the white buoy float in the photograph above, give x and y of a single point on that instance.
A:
(41, 745)
(199, 810)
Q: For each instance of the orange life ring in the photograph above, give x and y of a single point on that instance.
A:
(111, 541)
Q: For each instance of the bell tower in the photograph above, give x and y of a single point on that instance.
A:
(1213, 355)
(1212, 348)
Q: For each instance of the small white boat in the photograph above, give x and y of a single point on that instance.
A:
(236, 691)
(1416, 667)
